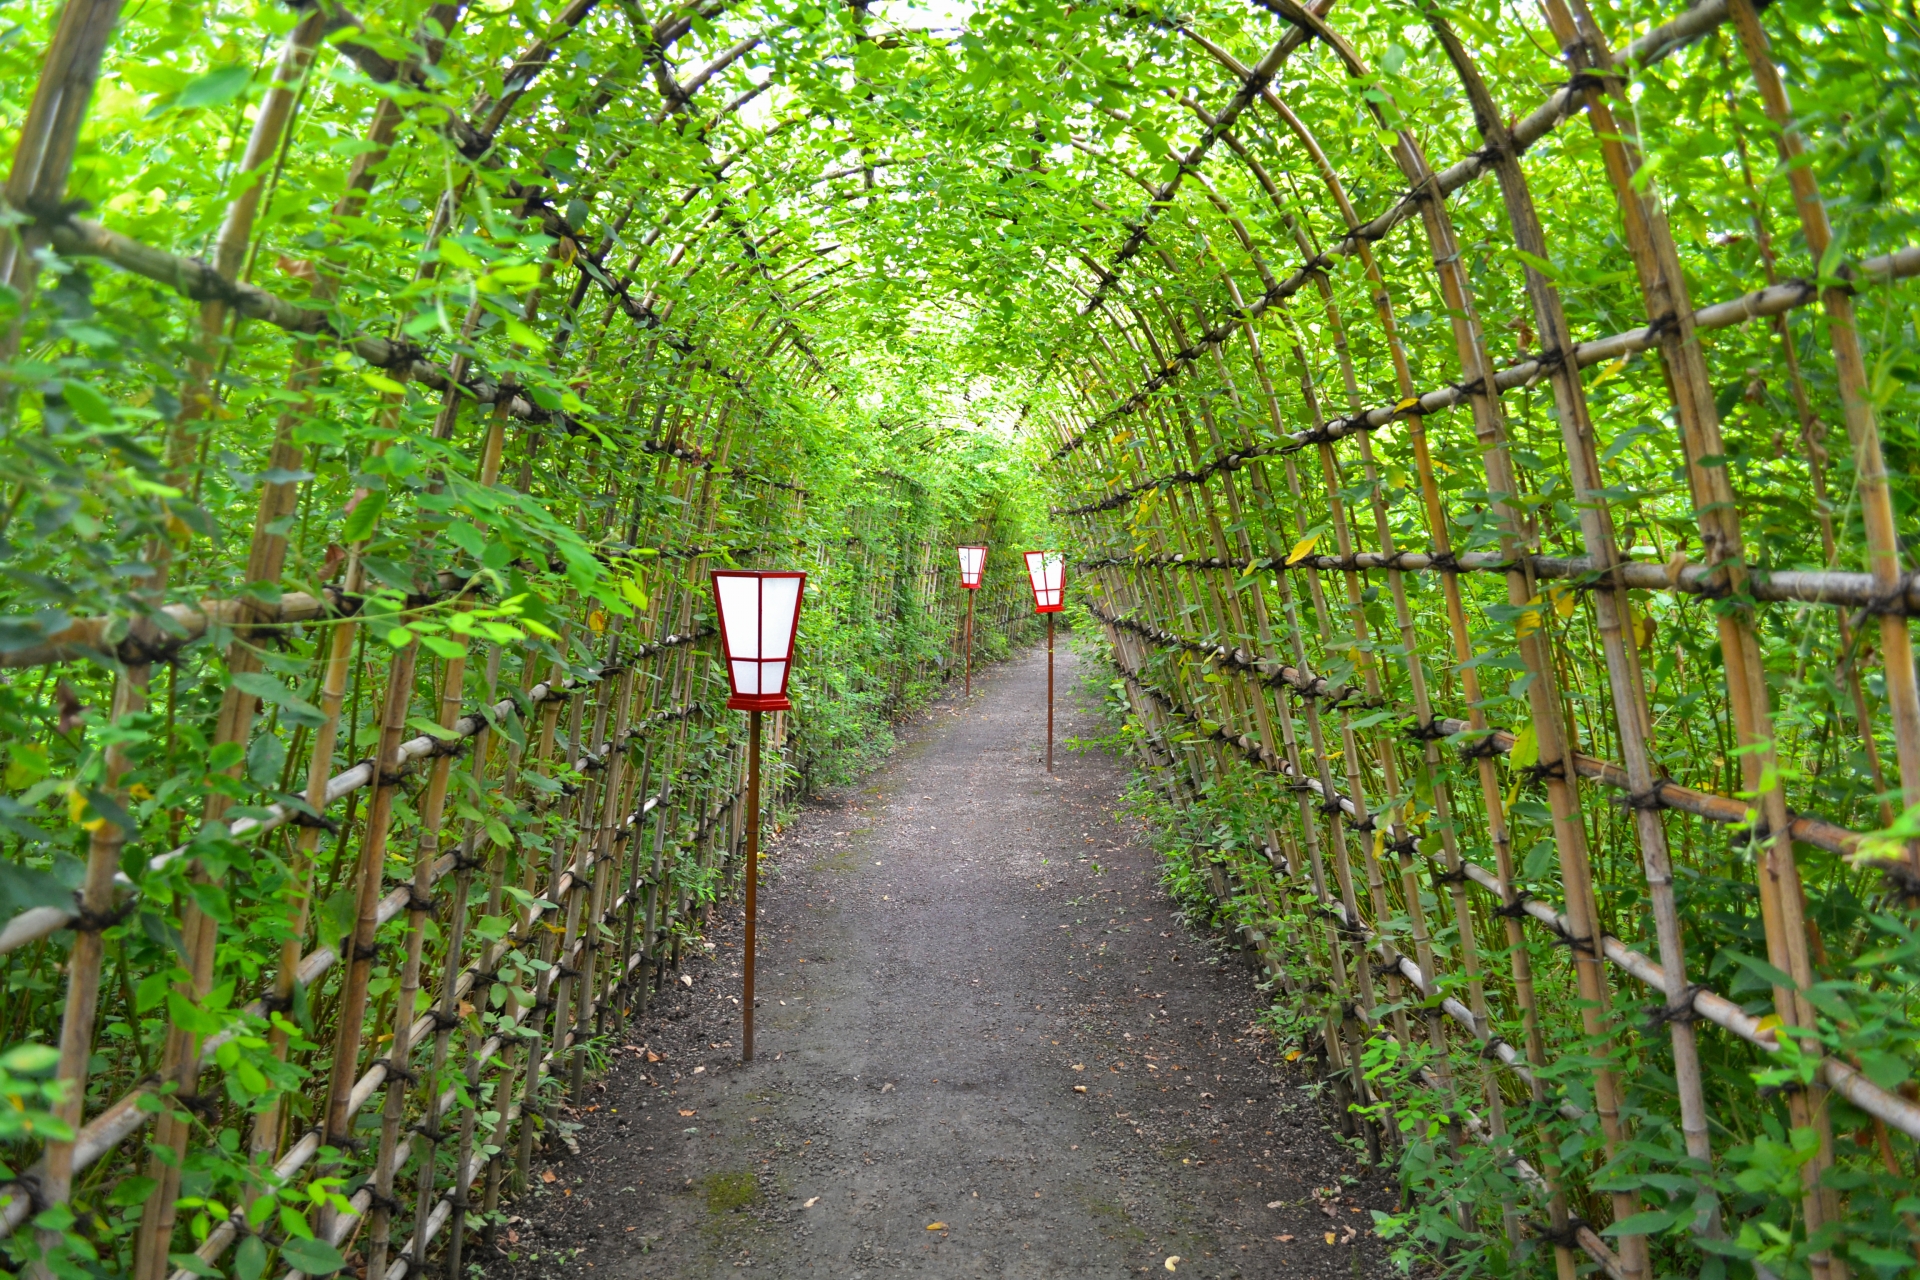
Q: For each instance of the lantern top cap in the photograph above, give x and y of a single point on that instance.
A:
(759, 613)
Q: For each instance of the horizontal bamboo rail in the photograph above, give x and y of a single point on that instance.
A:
(1882, 1104)
(1806, 586)
(1774, 300)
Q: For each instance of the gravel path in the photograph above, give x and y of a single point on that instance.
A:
(985, 1047)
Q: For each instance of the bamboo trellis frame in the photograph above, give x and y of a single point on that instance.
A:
(1177, 575)
(605, 745)
(1208, 414)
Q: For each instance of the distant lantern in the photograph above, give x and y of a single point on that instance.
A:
(973, 563)
(1047, 574)
(759, 616)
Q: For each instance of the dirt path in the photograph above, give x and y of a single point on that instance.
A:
(985, 1047)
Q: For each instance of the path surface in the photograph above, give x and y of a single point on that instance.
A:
(985, 1047)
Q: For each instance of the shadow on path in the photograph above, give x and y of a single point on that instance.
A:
(985, 1047)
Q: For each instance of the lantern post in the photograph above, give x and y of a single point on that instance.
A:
(973, 560)
(759, 617)
(1047, 574)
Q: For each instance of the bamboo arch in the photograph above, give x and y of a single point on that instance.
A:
(593, 357)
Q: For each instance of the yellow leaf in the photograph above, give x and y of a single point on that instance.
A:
(1302, 549)
(138, 791)
(1529, 620)
(77, 810)
(1379, 842)
(936, 1226)
(1611, 371)
(1173, 1263)
(1643, 629)
(1563, 600)
(1411, 402)
(598, 621)
(1329, 1237)
(1079, 1088)
(1526, 749)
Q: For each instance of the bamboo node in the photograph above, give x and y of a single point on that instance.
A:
(85, 921)
(303, 817)
(1540, 772)
(1682, 1011)
(449, 746)
(1516, 907)
(434, 1134)
(204, 1105)
(396, 1071)
(1896, 600)
(424, 904)
(1647, 800)
(382, 1203)
(1567, 1237)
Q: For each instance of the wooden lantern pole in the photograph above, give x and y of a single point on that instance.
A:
(969, 643)
(753, 869)
(1049, 693)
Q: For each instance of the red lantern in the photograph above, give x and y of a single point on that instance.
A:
(973, 562)
(759, 616)
(1047, 573)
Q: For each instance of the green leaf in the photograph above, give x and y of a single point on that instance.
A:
(1645, 1223)
(365, 514)
(87, 404)
(222, 84)
(315, 1257)
(250, 1259)
(29, 1060)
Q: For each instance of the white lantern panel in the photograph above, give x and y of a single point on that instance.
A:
(740, 615)
(779, 602)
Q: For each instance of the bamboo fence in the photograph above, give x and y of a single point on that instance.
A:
(347, 1009)
(1374, 860)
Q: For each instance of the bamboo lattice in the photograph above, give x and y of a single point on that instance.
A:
(1521, 663)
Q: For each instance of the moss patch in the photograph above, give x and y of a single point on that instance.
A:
(729, 1191)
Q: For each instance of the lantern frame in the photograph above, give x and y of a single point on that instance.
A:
(762, 701)
(1047, 599)
(972, 581)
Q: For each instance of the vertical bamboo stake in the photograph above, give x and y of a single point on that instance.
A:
(96, 896)
(1612, 611)
(1664, 286)
(1856, 403)
(43, 156)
